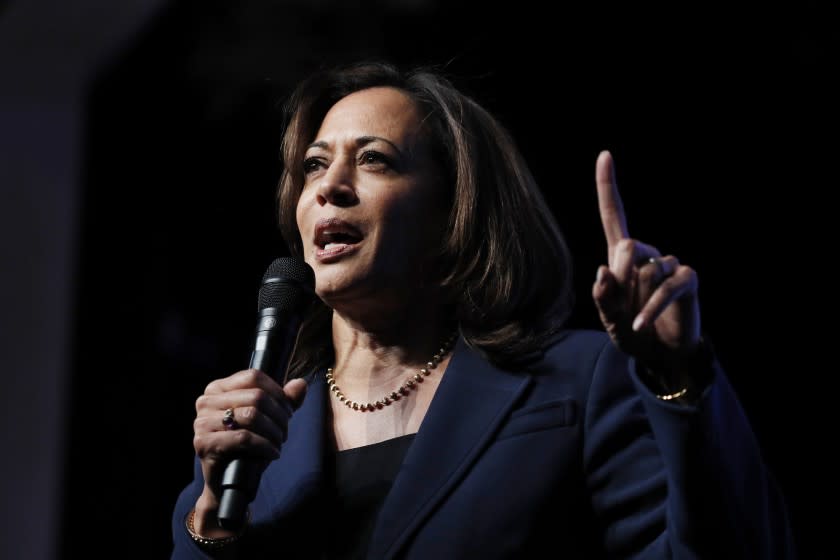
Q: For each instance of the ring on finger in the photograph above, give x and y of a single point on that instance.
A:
(660, 266)
(228, 420)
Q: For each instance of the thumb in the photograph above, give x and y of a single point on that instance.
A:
(295, 390)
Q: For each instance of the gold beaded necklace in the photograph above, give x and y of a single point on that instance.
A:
(412, 383)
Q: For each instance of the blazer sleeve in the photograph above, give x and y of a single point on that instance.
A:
(669, 480)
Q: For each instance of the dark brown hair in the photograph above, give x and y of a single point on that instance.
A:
(506, 271)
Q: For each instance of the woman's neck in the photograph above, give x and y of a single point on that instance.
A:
(375, 353)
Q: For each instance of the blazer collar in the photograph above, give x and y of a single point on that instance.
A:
(470, 403)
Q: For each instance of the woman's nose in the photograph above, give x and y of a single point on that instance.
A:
(336, 185)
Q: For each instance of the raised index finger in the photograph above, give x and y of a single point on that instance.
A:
(609, 201)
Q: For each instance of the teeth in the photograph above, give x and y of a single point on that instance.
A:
(331, 245)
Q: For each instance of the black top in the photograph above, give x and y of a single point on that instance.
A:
(363, 477)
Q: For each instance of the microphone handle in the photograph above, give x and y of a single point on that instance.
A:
(272, 350)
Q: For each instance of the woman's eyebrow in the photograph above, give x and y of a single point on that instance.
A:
(365, 140)
(360, 141)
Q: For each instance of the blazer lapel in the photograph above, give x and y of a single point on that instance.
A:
(471, 401)
(299, 469)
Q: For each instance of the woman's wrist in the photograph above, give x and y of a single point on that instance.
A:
(205, 519)
(209, 543)
(683, 377)
(204, 529)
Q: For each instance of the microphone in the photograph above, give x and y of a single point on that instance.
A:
(288, 287)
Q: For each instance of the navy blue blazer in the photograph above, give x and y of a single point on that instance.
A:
(572, 457)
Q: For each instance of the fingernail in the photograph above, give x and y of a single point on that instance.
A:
(637, 324)
(599, 276)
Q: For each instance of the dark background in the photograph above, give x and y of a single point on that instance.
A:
(717, 120)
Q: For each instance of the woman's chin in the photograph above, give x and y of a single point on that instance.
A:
(334, 286)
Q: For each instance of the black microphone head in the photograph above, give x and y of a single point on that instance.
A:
(288, 285)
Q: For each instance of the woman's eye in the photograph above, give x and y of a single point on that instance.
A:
(310, 165)
(374, 158)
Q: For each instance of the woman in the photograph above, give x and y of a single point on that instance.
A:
(439, 408)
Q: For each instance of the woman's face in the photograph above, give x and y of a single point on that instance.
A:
(372, 212)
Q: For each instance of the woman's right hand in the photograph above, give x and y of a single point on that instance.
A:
(261, 412)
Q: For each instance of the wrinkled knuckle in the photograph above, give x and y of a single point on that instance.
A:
(259, 398)
(666, 287)
(201, 403)
(648, 273)
(212, 387)
(250, 376)
(200, 444)
(246, 414)
(218, 449)
(627, 245)
(685, 272)
(243, 438)
(691, 274)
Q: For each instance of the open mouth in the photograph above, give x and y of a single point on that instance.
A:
(329, 240)
(334, 237)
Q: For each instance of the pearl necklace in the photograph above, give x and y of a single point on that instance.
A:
(412, 383)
